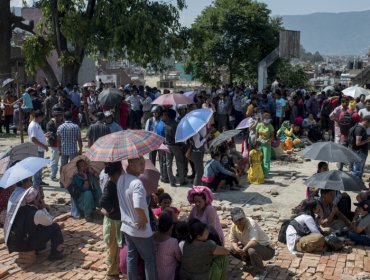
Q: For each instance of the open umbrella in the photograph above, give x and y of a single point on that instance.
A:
(247, 122)
(149, 178)
(224, 136)
(335, 180)
(70, 169)
(355, 91)
(89, 84)
(12, 212)
(7, 81)
(329, 88)
(192, 123)
(164, 148)
(171, 99)
(329, 151)
(126, 144)
(190, 94)
(20, 152)
(4, 164)
(22, 170)
(110, 97)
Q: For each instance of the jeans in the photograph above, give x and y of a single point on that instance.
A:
(55, 154)
(162, 165)
(358, 167)
(38, 174)
(360, 239)
(145, 248)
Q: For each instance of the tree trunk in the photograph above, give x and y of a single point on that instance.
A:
(49, 74)
(5, 37)
(70, 73)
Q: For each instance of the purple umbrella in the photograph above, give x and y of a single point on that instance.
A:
(247, 122)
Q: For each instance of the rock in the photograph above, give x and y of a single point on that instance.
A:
(217, 207)
(53, 194)
(274, 192)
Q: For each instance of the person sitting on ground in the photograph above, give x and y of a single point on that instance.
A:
(255, 171)
(360, 227)
(165, 201)
(112, 218)
(231, 182)
(302, 234)
(20, 188)
(202, 258)
(255, 244)
(203, 210)
(330, 217)
(87, 186)
(215, 174)
(33, 227)
(168, 254)
(314, 192)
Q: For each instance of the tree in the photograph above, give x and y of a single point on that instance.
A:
(231, 35)
(143, 31)
(291, 76)
(310, 57)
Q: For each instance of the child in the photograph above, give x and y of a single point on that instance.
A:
(165, 201)
(255, 172)
(360, 233)
(167, 251)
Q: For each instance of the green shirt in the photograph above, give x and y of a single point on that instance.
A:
(264, 132)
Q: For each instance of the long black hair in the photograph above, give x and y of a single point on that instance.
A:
(196, 229)
(308, 206)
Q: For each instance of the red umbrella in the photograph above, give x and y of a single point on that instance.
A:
(172, 99)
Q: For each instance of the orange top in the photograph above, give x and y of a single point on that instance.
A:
(8, 110)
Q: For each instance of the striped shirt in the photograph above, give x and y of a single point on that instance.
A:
(68, 134)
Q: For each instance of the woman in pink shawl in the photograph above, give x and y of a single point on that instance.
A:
(203, 210)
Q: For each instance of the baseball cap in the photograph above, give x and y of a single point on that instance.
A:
(237, 213)
(365, 205)
(108, 114)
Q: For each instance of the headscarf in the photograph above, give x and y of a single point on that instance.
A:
(200, 190)
(31, 195)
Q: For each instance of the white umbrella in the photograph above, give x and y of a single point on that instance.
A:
(331, 88)
(355, 91)
(190, 95)
(22, 170)
(7, 81)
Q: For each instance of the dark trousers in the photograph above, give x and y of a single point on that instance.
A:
(46, 233)
(238, 117)
(197, 158)
(256, 255)
(135, 119)
(177, 152)
(153, 157)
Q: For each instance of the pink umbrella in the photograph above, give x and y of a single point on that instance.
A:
(164, 148)
(171, 99)
(150, 177)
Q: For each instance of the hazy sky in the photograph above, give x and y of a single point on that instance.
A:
(278, 7)
(285, 7)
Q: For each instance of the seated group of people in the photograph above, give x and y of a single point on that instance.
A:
(328, 213)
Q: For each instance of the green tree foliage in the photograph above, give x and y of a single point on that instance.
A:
(292, 76)
(142, 30)
(231, 36)
(310, 57)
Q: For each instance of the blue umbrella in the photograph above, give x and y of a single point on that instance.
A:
(22, 170)
(192, 123)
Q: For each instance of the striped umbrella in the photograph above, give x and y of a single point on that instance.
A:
(126, 144)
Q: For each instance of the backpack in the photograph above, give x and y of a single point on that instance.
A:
(345, 122)
(351, 136)
(301, 230)
(326, 108)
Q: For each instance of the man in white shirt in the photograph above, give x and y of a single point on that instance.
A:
(135, 220)
(255, 243)
(36, 135)
(365, 112)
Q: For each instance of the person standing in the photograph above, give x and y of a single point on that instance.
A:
(134, 101)
(147, 105)
(151, 125)
(360, 145)
(222, 112)
(135, 220)
(37, 136)
(9, 111)
(50, 101)
(197, 143)
(365, 112)
(52, 128)
(335, 116)
(109, 121)
(176, 149)
(97, 130)
(69, 135)
(265, 135)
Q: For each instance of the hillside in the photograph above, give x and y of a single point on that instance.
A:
(333, 34)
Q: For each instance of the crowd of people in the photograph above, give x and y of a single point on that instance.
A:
(142, 229)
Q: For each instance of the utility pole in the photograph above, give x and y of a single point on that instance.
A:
(20, 124)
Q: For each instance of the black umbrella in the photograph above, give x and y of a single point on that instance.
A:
(335, 180)
(224, 136)
(110, 97)
(330, 151)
